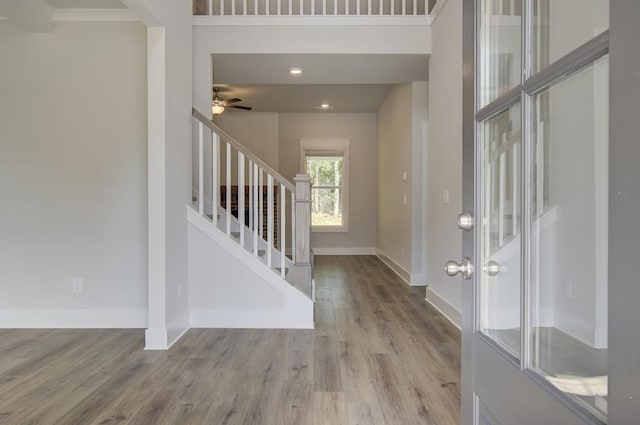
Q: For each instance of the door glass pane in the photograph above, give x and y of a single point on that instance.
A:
(560, 26)
(569, 235)
(499, 48)
(500, 233)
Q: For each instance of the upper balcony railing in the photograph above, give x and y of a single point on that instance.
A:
(313, 7)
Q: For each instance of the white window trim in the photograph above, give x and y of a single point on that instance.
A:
(330, 145)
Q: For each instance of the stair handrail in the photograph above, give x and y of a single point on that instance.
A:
(239, 147)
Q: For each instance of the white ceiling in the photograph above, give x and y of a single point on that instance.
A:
(87, 4)
(349, 83)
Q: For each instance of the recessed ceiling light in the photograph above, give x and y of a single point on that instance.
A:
(295, 71)
(325, 105)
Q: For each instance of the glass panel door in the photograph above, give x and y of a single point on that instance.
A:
(561, 26)
(500, 250)
(569, 236)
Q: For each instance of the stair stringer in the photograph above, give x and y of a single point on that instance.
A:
(230, 288)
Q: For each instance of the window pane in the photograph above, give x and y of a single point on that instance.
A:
(499, 47)
(325, 171)
(569, 236)
(326, 207)
(556, 31)
(500, 233)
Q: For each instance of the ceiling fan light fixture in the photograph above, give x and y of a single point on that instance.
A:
(295, 70)
(216, 108)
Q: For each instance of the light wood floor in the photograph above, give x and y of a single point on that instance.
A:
(379, 355)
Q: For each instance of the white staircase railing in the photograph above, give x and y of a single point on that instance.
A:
(253, 204)
(312, 7)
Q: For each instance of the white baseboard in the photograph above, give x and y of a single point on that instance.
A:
(155, 339)
(248, 319)
(345, 251)
(73, 318)
(447, 310)
(415, 279)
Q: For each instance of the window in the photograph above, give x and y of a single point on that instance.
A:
(327, 162)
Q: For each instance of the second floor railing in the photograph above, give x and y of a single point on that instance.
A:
(312, 7)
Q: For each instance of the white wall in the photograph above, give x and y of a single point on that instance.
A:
(395, 148)
(419, 210)
(402, 143)
(444, 168)
(360, 129)
(169, 87)
(344, 39)
(73, 175)
(256, 131)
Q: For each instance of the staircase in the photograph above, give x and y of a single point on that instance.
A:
(250, 262)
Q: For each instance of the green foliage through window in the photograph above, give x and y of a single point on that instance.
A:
(327, 178)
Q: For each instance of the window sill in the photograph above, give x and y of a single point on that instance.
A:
(329, 229)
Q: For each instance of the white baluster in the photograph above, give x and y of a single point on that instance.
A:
(215, 176)
(380, 11)
(358, 7)
(266, 5)
(324, 7)
(283, 226)
(346, 7)
(250, 190)
(393, 8)
(221, 7)
(241, 196)
(540, 169)
(415, 7)
(313, 7)
(515, 197)
(200, 168)
(502, 170)
(233, 7)
(256, 225)
(210, 7)
(228, 195)
(369, 7)
(293, 226)
(255, 8)
(261, 201)
(290, 7)
(279, 6)
(301, 11)
(244, 7)
(269, 218)
(335, 7)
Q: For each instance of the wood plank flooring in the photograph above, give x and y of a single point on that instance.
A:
(379, 355)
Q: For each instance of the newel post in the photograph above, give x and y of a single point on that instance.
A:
(302, 254)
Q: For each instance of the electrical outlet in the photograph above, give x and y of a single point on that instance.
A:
(445, 197)
(76, 285)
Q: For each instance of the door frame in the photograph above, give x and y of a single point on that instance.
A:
(624, 204)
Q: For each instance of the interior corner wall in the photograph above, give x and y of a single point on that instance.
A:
(444, 166)
(419, 212)
(360, 129)
(73, 175)
(395, 149)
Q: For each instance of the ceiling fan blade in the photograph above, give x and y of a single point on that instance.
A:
(244, 108)
(234, 100)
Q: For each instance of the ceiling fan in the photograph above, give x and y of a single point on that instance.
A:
(218, 104)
